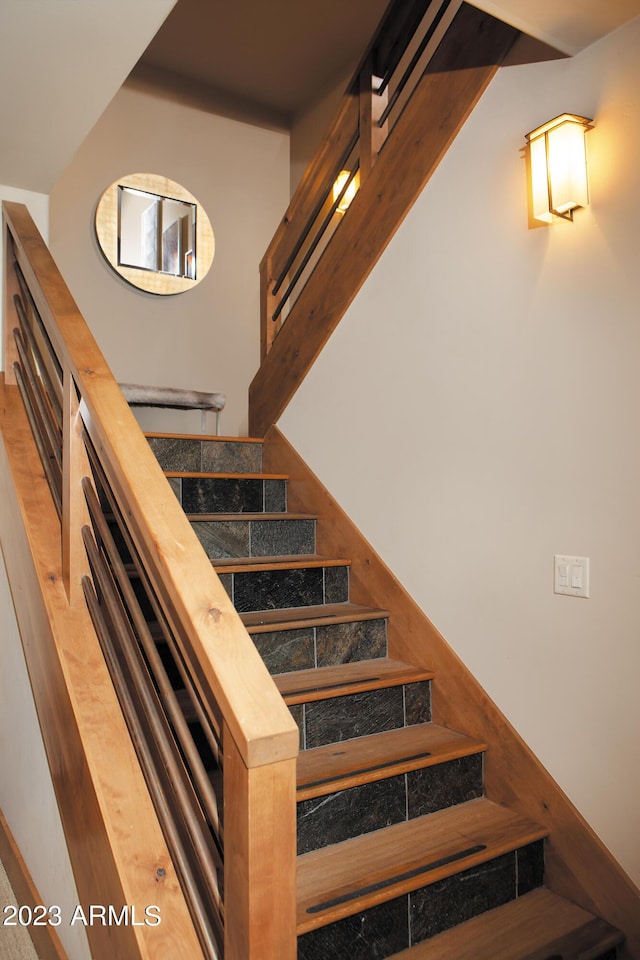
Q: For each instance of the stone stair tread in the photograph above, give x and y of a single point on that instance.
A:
(337, 766)
(346, 878)
(322, 683)
(537, 926)
(198, 475)
(255, 564)
(266, 621)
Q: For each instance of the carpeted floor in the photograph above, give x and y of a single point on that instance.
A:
(15, 942)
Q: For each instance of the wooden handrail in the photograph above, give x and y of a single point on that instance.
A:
(261, 724)
(230, 675)
(399, 145)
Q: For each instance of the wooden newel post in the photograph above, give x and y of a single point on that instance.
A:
(75, 513)
(259, 858)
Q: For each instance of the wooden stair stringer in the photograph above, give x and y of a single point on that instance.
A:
(578, 865)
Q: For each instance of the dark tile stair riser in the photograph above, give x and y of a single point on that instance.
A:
(404, 921)
(193, 455)
(284, 651)
(449, 902)
(279, 589)
(322, 646)
(255, 538)
(373, 806)
(346, 642)
(530, 868)
(230, 494)
(360, 714)
(378, 932)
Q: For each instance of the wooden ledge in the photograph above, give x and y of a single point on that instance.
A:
(323, 683)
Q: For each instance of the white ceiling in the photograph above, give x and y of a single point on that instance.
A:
(568, 25)
(278, 55)
(61, 61)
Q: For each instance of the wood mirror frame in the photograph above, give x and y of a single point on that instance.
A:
(107, 222)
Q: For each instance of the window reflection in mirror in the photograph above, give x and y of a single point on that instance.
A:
(156, 233)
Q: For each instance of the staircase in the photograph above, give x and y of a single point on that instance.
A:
(400, 853)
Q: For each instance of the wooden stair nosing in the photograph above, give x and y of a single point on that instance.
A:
(536, 926)
(285, 562)
(338, 766)
(360, 676)
(343, 879)
(199, 436)
(222, 475)
(268, 621)
(226, 517)
(288, 618)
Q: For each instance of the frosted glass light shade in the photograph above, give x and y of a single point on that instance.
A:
(558, 161)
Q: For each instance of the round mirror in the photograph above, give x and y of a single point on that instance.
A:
(154, 233)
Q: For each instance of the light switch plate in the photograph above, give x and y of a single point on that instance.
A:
(571, 575)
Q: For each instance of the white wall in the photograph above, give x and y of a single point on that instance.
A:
(38, 204)
(309, 127)
(476, 412)
(207, 338)
(27, 799)
(60, 65)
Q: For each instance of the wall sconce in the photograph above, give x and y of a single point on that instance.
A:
(349, 183)
(558, 163)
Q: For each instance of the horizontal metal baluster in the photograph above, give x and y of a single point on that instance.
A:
(211, 727)
(160, 764)
(52, 434)
(167, 694)
(405, 29)
(316, 212)
(152, 711)
(50, 390)
(406, 76)
(313, 245)
(30, 305)
(49, 465)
